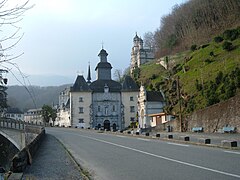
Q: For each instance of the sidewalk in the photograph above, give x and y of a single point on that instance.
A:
(52, 162)
(216, 138)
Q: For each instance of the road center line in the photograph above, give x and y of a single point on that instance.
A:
(120, 136)
(162, 157)
(232, 152)
(176, 144)
(143, 139)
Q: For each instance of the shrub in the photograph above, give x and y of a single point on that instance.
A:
(193, 47)
(231, 34)
(211, 53)
(227, 46)
(208, 61)
(154, 76)
(219, 77)
(198, 85)
(176, 68)
(218, 39)
(204, 45)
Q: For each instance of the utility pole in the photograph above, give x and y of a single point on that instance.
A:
(180, 104)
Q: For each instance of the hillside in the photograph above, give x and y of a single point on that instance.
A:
(20, 97)
(195, 22)
(208, 74)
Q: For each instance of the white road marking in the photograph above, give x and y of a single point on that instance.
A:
(143, 139)
(176, 144)
(232, 152)
(120, 136)
(162, 157)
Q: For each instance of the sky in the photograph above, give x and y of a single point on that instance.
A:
(61, 37)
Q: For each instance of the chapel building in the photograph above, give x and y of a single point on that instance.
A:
(103, 103)
(140, 54)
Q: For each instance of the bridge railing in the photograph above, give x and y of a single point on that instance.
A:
(16, 124)
(12, 124)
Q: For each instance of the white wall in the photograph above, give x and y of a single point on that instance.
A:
(75, 104)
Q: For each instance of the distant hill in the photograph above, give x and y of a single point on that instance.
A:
(26, 98)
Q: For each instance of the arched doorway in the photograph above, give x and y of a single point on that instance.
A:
(106, 125)
(114, 127)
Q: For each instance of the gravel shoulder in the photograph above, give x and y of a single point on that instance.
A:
(52, 162)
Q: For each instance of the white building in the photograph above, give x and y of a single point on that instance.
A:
(34, 116)
(63, 110)
(103, 103)
(130, 92)
(14, 113)
(149, 102)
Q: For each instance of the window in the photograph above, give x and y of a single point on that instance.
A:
(12, 115)
(80, 99)
(131, 98)
(106, 110)
(132, 109)
(99, 108)
(114, 108)
(81, 120)
(132, 119)
(80, 110)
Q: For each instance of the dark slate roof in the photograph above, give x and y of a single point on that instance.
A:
(98, 85)
(68, 103)
(103, 52)
(103, 65)
(80, 85)
(129, 84)
(154, 96)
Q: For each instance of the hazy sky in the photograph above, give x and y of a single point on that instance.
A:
(62, 36)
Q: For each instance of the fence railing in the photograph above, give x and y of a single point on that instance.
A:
(16, 124)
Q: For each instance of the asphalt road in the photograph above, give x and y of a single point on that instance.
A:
(115, 157)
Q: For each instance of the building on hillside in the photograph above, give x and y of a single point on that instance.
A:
(34, 116)
(14, 113)
(63, 109)
(149, 102)
(140, 54)
(103, 103)
(160, 118)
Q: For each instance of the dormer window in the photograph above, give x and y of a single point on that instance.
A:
(106, 88)
(80, 99)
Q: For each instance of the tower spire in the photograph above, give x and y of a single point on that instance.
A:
(89, 74)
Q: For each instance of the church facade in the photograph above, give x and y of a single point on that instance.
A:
(103, 103)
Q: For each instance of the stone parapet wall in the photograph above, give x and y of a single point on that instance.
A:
(215, 117)
(24, 157)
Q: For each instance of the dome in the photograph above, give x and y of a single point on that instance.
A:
(103, 52)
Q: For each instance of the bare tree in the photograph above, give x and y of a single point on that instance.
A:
(9, 19)
(118, 75)
(148, 39)
(10, 16)
(195, 22)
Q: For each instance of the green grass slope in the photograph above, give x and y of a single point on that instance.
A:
(207, 75)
